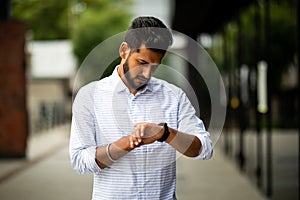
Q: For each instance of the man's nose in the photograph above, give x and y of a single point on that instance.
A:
(147, 72)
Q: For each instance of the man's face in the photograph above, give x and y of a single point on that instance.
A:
(139, 67)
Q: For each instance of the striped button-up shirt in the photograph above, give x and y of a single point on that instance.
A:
(105, 111)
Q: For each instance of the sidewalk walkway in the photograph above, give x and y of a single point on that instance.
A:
(214, 179)
(47, 175)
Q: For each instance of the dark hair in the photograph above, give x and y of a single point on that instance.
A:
(149, 31)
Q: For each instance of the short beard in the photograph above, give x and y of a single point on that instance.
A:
(129, 80)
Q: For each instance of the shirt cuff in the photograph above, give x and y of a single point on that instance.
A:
(93, 166)
(206, 150)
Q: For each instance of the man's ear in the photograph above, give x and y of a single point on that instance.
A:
(124, 50)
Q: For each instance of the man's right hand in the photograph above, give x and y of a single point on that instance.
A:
(145, 133)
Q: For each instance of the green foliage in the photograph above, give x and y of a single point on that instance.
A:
(259, 40)
(47, 19)
(253, 39)
(96, 24)
(86, 22)
(281, 39)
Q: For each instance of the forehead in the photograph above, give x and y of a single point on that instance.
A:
(147, 55)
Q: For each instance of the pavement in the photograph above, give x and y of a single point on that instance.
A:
(47, 174)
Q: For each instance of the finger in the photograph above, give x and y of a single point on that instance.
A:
(142, 130)
(138, 133)
(135, 136)
(131, 142)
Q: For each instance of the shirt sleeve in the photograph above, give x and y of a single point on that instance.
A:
(191, 124)
(82, 148)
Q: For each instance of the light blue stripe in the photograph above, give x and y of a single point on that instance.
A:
(104, 111)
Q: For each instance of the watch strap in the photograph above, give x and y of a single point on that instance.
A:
(165, 134)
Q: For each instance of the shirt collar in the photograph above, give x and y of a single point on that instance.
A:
(120, 85)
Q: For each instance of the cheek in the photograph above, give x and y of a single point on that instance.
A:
(131, 63)
(134, 67)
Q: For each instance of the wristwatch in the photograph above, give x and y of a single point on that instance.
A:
(166, 132)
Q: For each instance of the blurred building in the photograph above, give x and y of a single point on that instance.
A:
(51, 68)
(157, 8)
(13, 110)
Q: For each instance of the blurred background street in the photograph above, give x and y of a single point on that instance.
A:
(44, 45)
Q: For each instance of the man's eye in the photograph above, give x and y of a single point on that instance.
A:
(143, 63)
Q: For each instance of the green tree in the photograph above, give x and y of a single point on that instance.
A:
(281, 41)
(274, 42)
(99, 21)
(47, 19)
(86, 22)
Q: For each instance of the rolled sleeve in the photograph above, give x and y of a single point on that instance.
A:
(191, 124)
(83, 156)
(206, 150)
(83, 146)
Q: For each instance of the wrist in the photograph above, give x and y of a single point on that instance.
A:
(107, 149)
(165, 134)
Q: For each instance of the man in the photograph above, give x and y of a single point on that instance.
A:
(127, 127)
